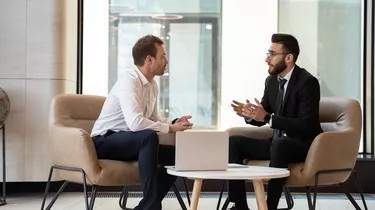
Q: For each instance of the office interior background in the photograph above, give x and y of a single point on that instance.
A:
(216, 51)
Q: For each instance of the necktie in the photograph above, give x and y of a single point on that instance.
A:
(279, 104)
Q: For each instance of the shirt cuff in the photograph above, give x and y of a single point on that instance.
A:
(248, 120)
(270, 122)
(164, 128)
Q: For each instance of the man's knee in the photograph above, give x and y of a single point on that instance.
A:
(234, 141)
(279, 147)
(234, 151)
(150, 137)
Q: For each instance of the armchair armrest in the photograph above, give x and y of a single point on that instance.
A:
(332, 150)
(167, 138)
(264, 132)
(73, 147)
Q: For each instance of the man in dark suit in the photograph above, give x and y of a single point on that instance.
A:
(290, 105)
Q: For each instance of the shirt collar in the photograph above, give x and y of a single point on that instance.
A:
(288, 75)
(144, 80)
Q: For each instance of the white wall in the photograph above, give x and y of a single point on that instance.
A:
(37, 62)
(247, 29)
(184, 48)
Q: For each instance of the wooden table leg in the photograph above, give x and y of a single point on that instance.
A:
(260, 194)
(196, 192)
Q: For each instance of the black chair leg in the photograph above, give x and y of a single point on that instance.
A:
(360, 189)
(93, 196)
(125, 194)
(288, 198)
(289, 201)
(308, 195)
(221, 195)
(88, 207)
(124, 198)
(47, 189)
(226, 204)
(179, 198)
(186, 190)
(312, 203)
(350, 197)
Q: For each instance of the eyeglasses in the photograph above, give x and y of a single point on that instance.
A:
(273, 54)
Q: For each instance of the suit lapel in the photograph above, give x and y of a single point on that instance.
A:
(290, 86)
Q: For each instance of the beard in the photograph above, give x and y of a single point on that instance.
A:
(160, 70)
(277, 68)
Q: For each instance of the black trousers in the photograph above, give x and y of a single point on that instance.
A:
(281, 152)
(142, 146)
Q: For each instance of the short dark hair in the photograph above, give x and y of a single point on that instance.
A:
(145, 46)
(289, 42)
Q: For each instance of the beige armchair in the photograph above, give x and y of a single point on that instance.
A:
(333, 154)
(74, 157)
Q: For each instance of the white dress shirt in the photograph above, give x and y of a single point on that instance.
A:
(131, 105)
(287, 77)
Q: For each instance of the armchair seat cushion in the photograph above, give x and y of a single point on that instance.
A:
(118, 173)
(294, 180)
(111, 173)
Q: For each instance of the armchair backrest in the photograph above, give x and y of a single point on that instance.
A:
(72, 117)
(74, 110)
(341, 114)
(337, 147)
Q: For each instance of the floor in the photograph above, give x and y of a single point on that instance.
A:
(75, 201)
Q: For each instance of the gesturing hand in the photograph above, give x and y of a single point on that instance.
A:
(237, 107)
(252, 111)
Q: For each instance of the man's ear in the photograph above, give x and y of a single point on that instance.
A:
(148, 59)
(289, 58)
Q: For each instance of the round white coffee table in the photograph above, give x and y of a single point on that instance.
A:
(255, 173)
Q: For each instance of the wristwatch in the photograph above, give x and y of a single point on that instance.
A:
(267, 118)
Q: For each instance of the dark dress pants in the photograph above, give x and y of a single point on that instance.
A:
(281, 152)
(142, 146)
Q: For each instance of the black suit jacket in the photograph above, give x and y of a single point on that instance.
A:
(299, 118)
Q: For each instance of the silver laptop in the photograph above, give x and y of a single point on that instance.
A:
(198, 150)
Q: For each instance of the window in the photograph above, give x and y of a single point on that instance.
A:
(209, 64)
(190, 33)
(331, 35)
(216, 50)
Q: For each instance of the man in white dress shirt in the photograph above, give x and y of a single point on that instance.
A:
(128, 124)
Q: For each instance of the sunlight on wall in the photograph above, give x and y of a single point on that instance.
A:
(95, 47)
(247, 30)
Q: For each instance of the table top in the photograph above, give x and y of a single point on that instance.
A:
(234, 172)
